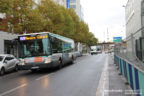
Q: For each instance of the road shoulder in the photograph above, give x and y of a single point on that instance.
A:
(104, 81)
(111, 82)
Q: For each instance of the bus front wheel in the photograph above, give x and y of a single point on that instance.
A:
(33, 70)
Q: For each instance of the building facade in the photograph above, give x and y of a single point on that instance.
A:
(133, 16)
(75, 4)
(67, 3)
(6, 45)
(134, 12)
(61, 2)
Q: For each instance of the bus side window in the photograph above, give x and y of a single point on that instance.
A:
(70, 50)
(56, 46)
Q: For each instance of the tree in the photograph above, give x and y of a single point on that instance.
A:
(76, 20)
(68, 23)
(5, 7)
(36, 21)
(16, 13)
(92, 40)
(52, 14)
(26, 16)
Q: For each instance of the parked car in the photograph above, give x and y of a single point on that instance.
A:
(77, 54)
(93, 52)
(8, 63)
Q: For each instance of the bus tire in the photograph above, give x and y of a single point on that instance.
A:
(60, 64)
(33, 70)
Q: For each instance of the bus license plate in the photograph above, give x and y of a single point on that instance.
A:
(36, 67)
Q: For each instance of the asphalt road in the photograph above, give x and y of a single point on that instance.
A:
(79, 79)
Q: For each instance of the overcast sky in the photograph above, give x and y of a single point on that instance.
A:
(105, 14)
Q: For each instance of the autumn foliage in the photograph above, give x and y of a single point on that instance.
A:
(27, 16)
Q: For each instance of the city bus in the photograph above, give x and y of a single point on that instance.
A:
(44, 50)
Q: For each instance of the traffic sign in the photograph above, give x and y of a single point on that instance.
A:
(117, 39)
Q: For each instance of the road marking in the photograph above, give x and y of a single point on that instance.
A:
(14, 89)
(42, 77)
(104, 81)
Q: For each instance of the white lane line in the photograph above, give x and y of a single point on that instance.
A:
(12, 90)
(104, 81)
(45, 76)
(42, 77)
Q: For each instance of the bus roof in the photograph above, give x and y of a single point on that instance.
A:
(65, 39)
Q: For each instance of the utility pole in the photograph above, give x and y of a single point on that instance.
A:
(104, 36)
(107, 35)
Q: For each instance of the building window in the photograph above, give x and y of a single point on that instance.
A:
(8, 47)
(72, 0)
(73, 6)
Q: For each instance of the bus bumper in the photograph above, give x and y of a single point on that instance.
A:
(36, 66)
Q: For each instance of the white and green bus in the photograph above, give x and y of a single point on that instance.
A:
(44, 50)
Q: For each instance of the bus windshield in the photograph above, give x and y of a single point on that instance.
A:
(37, 47)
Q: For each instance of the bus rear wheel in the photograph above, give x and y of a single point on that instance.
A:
(60, 64)
(72, 60)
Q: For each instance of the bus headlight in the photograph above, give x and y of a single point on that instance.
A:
(47, 60)
(21, 62)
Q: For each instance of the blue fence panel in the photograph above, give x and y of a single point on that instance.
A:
(129, 71)
(137, 81)
(131, 76)
(120, 66)
(125, 69)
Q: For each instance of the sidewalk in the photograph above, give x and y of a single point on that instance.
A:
(117, 86)
(111, 83)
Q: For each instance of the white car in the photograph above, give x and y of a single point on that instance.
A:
(8, 63)
(93, 52)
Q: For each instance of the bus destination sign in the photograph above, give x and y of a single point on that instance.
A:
(24, 38)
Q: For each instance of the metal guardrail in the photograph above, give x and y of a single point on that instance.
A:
(129, 51)
(133, 75)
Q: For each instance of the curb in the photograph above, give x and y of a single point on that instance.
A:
(103, 82)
